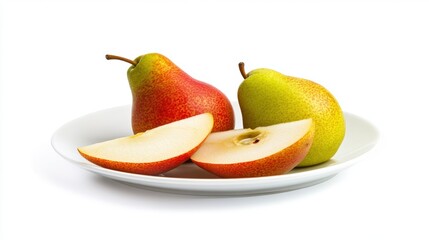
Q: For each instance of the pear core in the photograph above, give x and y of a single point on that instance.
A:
(248, 138)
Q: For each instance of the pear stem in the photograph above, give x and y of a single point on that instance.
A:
(242, 71)
(109, 56)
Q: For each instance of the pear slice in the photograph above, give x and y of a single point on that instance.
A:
(263, 151)
(154, 151)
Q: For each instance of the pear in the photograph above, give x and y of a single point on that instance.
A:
(163, 93)
(267, 97)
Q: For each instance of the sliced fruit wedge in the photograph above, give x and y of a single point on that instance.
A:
(262, 151)
(154, 151)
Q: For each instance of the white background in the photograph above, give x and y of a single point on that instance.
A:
(372, 55)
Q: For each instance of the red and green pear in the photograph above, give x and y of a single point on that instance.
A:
(163, 93)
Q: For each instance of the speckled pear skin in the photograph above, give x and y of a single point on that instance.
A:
(267, 97)
(163, 93)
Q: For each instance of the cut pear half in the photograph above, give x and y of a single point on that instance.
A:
(154, 151)
(262, 151)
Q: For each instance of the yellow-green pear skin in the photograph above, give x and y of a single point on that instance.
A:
(267, 97)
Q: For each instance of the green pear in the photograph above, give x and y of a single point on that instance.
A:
(267, 97)
(163, 93)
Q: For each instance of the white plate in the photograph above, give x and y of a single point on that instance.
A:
(107, 124)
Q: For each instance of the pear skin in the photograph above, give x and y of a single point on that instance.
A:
(267, 97)
(163, 93)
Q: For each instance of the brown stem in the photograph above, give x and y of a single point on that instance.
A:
(242, 71)
(108, 57)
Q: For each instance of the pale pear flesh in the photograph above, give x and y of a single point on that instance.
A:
(231, 147)
(156, 145)
(263, 151)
